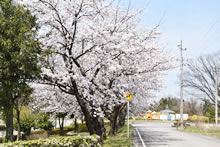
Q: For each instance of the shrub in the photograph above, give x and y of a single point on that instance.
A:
(75, 141)
(69, 128)
(1, 139)
(38, 135)
(203, 119)
(2, 127)
(29, 120)
(211, 114)
(56, 131)
(38, 132)
(83, 128)
(26, 122)
(42, 122)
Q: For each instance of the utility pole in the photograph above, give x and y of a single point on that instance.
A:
(181, 84)
(216, 97)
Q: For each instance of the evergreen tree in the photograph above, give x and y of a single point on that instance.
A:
(19, 56)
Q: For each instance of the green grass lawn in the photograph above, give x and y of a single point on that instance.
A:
(120, 140)
(211, 131)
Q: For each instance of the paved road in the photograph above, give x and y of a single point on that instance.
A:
(156, 134)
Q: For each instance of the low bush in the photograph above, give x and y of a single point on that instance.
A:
(1, 139)
(69, 128)
(82, 128)
(38, 135)
(204, 119)
(57, 131)
(30, 120)
(38, 132)
(42, 122)
(2, 127)
(73, 141)
(26, 122)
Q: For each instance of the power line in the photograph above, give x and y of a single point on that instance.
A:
(212, 41)
(206, 34)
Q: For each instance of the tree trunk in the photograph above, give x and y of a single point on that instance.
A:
(99, 127)
(76, 126)
(114, 121)
(95, 125)
(122, 117)
(18, 123)
(9, 123)
(61, 123)
(117, 119)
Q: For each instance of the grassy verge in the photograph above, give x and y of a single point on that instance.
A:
(155, 120)
(120, 139)
(211, 131)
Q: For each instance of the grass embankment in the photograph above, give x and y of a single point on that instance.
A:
(155, 120)
(210, 131)
(120, 140)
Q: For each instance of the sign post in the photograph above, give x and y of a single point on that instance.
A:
(128, 118)
(128, 97)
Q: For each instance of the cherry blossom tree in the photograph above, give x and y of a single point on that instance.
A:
(52, 100)
(97, 54)
(138, 71)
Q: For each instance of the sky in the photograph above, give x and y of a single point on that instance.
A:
(195, 22)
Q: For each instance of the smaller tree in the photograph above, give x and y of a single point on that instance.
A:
(61, 117)
(42, 121)
(25, 121)
(24, 99)
(205, 106)
(211, 114)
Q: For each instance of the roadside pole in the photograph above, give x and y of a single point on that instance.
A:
(128, 117)
(216, 98)
(128, 97)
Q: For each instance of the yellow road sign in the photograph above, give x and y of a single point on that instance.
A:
(128, 96)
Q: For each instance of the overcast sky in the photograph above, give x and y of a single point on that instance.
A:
(196, 22)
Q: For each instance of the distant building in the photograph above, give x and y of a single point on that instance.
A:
(167, 114)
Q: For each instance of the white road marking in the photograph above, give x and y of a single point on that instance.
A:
(139, 125)
(140, 138)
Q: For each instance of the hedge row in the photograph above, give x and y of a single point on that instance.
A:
(71, 141)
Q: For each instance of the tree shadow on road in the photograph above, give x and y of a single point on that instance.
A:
(153, 138)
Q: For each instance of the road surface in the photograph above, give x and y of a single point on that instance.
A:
(157, 134)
